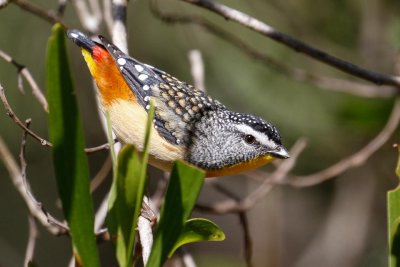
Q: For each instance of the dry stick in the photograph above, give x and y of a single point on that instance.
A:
(119, 34)
(34, 208)
(101, 175)
(40, 12)
(197, 69)
(297, 74)
(354, 160)
(33, 234)
(22, 70)
(12, 115)
(62, 5)
(3, 3)
(233, 206)
(248, 244)
(42, 141)
(299, 46)
(89, 20)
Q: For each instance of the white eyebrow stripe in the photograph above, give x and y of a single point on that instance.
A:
(260, 137)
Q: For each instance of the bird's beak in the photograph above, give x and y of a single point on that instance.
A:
(280, 153)
(81, 40)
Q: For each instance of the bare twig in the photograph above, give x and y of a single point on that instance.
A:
(3, 3)
(145, 234)
(35, 208)
(22, 70)
(62, 5)
(36, 10)
(105, 146)
(356, 159)
(101, 214)
(90, 20)
(187, 258)
(197, 69)
(107, 15)
(30, 247)
(299, 46)
(119, 35)
(248, 244)
(14, 117)
(101, 174)
(325, 82)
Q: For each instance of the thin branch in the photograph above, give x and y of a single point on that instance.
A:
(297, 74)
(14, 117)
(33, 234)
(299, 46)
(39, 11)
(144, 229)
(187, 258)
(94, 149)
(101, 175)
(62, 5)
(247, 243)
(90, 20)
(101, 214)
(3, 3)
(119, 33)
(197, 69)
(354, 160)
(22, 70)
(35, 208)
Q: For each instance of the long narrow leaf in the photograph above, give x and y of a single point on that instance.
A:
(393, 202)
(183, 190)
(70, 161)
(197, 230)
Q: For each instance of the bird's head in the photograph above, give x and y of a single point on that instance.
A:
(226, 142)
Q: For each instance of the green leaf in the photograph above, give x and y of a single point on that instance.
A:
(393, 202)
(123, 209)
(126, 196)
(197, 230)
(183, 190)
(70, 162)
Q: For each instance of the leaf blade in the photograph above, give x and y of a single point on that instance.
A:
(197, 230)
(70, 162)
(183, 190)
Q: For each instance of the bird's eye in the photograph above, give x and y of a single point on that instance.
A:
(249, 139)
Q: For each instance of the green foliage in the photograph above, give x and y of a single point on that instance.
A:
(183, 189)
(70, 162)
(393, 202)
(196, 230)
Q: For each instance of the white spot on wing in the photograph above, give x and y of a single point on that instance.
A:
(146, 87)
(74, 35)
(143, 77)
(139, 68)
(121, 61)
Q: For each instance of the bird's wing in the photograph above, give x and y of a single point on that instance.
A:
(177, 103)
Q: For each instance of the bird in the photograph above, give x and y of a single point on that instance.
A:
(188, 124)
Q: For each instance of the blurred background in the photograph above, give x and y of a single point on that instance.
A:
(340, 222)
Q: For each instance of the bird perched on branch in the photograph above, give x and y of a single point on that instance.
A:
(189, 125)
